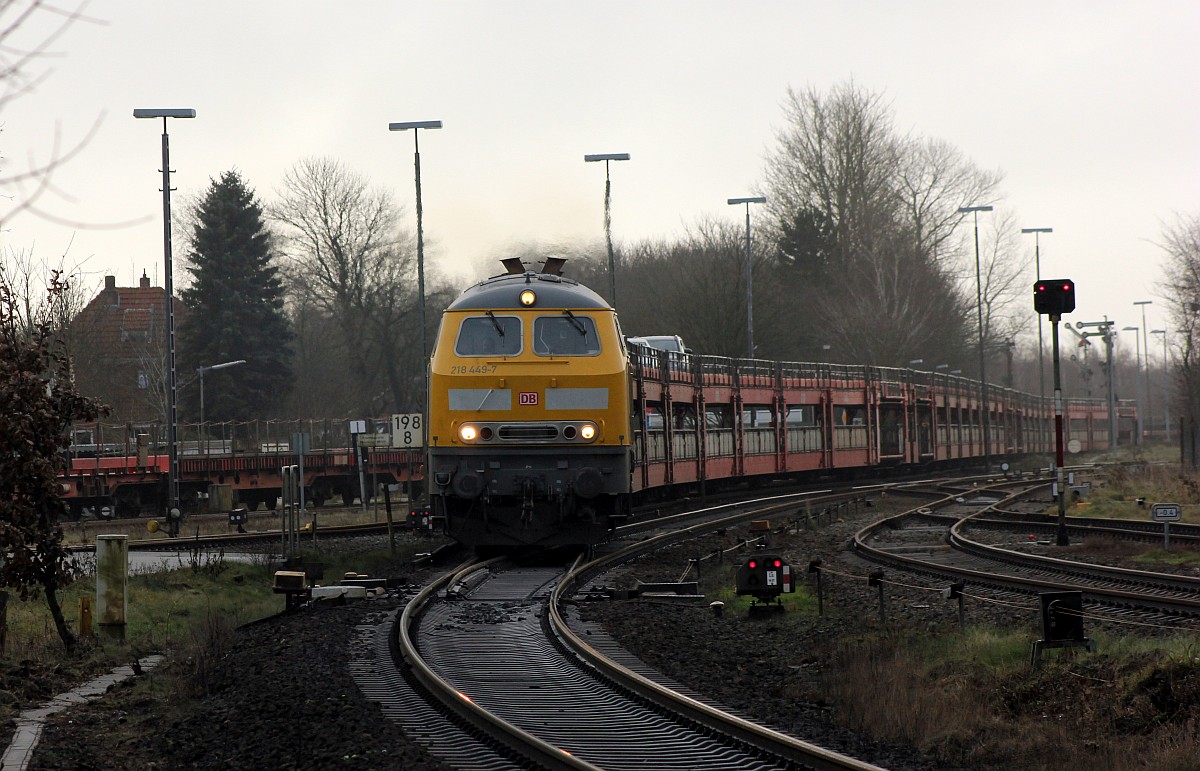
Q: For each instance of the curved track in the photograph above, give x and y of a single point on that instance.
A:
(932, 540)
(504, 648)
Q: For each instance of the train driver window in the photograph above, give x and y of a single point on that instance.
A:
(489, 335)
(565, 335)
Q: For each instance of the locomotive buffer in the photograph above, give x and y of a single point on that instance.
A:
(765, 577)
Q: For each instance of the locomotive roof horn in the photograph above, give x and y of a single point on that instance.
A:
(553, 266)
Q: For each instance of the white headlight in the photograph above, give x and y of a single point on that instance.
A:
(468, 433)
(587, 431)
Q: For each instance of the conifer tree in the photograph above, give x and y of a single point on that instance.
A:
(234, 308)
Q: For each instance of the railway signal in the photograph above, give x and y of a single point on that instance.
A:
(765, 577)
(1053, 297)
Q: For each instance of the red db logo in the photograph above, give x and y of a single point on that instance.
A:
(529, 397)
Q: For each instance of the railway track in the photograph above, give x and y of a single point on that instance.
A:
(502, 647)
(938, 541)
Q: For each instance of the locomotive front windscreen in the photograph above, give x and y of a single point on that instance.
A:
(489, 335)
(565, 335)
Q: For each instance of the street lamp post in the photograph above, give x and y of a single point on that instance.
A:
(1137, 379)
(612, 262)
(1037, 264)
(1166, 385)
(169, 310)
(1146, 369)
(749, 273)
(415, 127)
(987, 440)
(200, 374)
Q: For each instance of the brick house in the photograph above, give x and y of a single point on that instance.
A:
(118, 349)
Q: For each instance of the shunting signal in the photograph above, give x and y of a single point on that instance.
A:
(764, 577)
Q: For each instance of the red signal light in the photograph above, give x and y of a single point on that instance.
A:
(752, 564)
(778, 563)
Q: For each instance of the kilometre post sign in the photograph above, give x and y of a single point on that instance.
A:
(1165, 512)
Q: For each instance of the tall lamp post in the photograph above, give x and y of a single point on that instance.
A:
(987, 440)
(612, 262)
(1146, 368)
(200, 374)
(169, 310)
(1166, 385)
(1137, 378)
(1037, 265)
(749, 272)
(415, 127)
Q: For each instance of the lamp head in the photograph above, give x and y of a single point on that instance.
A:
(174, 112)
(415, 124)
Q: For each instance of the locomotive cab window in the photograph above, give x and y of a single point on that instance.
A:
(489, 335)
(565, 335)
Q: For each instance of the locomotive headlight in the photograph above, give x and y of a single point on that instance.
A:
(587, 431)
(468, 433)
(528, 297)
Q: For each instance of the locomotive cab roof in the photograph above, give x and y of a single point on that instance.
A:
(551, 290)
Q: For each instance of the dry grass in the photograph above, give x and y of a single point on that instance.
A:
(972, 701)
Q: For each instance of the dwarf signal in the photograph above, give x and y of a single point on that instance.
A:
(764, 577)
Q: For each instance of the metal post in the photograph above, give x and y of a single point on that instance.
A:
(612, 260)
(200, 372)
(987, 439)
(1137, 382)
(421, 265)
(416, 127)
(1063, 540)
(1145, 347)
(749, 291)
(749, 273)
(169, 309)
(1037, 262)
(1166, 381)
(1113, 423)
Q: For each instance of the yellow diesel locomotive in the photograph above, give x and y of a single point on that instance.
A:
(529, 413)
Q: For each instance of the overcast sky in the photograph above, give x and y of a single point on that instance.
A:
(1090, 109)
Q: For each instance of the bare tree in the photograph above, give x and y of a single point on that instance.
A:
(351, 260)
(1181, 288)
(837, 155)
(858, 213)
(933, 181)
(28, 31)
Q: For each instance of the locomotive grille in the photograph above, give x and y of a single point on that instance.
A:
(528, 432)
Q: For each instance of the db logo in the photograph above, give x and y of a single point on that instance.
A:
(529, 397)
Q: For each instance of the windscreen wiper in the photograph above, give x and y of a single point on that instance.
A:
(495, 323)
(575, 322)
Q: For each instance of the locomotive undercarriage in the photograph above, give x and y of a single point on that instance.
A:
(530, 496)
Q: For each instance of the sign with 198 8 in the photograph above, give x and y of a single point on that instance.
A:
(408, 430)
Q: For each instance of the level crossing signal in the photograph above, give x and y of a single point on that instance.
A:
(1054, 297)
